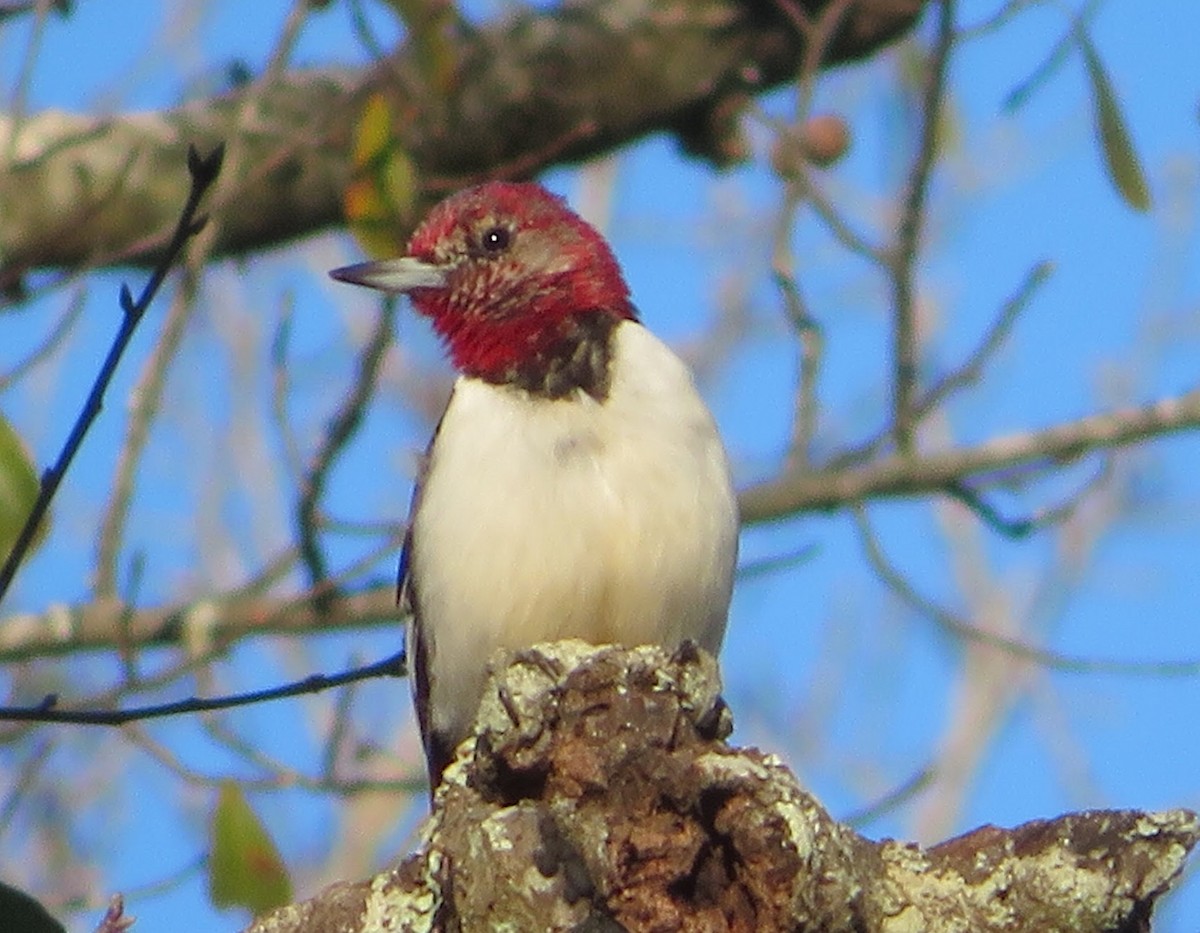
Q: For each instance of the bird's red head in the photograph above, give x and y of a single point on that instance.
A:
(510, 277)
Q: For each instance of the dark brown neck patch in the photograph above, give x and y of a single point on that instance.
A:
(578, 357)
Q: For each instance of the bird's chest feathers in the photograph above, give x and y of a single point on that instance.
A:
(515, 465)
(553, 517)
(611, 521)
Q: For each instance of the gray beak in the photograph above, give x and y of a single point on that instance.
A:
(393, 275)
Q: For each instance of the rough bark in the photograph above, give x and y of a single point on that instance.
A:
(598, 794)
(537, 88)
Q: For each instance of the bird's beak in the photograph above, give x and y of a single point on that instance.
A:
(393, 275)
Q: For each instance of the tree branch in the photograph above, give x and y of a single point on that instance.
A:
(822, 490)
(202, 171)
(87, 190)
(107, 624)
(602, 775)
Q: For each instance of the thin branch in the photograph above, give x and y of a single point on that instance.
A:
(818, 36)
(1058, 54)
(998, 19)
(346, 786)
(837, 225)
(36, 758)
(968, 373)
(892, 800)
(836, 487)
(222, 735)
(972, 368)
(768, 565)
(20, 7)
(281, 383)
(812, 346)
(48, 711)
(339, 729)
(203, 171)
(53, 340)
(209, 621)
(958, 627)
(362, 30)
(906, 348)
(797, 15)
(1023, 527)
(342, 428)
(147, 402)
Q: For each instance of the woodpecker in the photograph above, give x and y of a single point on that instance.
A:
(576, 485)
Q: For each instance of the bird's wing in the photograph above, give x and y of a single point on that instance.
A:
(437, 754)
(405, 597)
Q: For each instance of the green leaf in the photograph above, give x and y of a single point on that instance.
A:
(244, 867)
(18, 489)
(1119, 157)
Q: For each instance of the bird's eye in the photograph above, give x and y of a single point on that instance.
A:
(495, 240)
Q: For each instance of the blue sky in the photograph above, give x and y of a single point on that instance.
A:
(821, 664)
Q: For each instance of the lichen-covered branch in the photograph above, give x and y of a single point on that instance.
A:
(598, 793)
(540, 87)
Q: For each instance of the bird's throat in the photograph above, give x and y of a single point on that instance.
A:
(550, 360)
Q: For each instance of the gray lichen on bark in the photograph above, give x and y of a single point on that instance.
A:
(598, 792)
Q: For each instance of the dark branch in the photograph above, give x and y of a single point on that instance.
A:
(203, 171)
(47, 710)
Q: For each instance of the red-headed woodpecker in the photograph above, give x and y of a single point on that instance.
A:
(576, 486)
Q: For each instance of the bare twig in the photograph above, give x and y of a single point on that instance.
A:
(340, 728)
(47, 711)
(972, 368)
(20, 7)
(280, 388)
(1021, 527)
(958, 627)
(968, 373)
(147, 400)
(906, 348)
(812, 344)
(52, 341)
(342, 428)
(768, 565)
(837, 486)
(203, 172)
(893, 799)
(344, 786)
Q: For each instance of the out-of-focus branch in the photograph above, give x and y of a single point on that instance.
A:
(105, 624)
(800, 491)
(342, 428)
(957, 626)
(145, 404)
(100, 626)
(87, 190)
(906, 349)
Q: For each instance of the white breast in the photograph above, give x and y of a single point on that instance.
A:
(613, 522)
